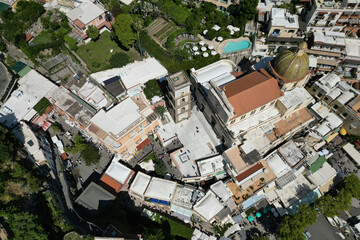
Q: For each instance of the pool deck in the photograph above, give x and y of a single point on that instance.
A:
(219, 46)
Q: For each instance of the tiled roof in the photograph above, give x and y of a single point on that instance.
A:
(143, 144)
(111, 182)
(249, 171)
(252, 91)
(78, 23)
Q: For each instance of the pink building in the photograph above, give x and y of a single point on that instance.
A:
(88, 14)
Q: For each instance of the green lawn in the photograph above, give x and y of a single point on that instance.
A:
(176, 228)
(97, 54)
(43, 37)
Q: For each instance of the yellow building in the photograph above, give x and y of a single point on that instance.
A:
(283, 24)
(124, 128)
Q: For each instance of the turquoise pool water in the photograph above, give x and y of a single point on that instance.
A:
(236, 46)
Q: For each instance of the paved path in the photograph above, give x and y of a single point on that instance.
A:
(16, 53)
(323, 230)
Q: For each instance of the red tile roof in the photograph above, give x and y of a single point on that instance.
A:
(109, 181)
(28, 37)
(249, 171)
(252, 91)
(64, 156)
(78, 23)
(143, 144)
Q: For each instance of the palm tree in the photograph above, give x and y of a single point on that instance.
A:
(160, 111)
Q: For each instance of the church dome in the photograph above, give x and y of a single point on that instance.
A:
(291, 66)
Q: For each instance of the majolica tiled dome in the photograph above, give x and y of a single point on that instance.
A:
(292, 65)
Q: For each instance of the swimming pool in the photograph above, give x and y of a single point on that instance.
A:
(236, 46)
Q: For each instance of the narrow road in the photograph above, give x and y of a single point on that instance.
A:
(69, 211)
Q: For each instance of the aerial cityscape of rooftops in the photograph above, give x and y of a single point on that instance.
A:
(180, 119)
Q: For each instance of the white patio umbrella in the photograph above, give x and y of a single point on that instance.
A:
(201, 43)
(210, 47)
(203, 49)
(230, 27)
(236, 29)
(205, 31)
(220, 39)
(195, 48)
(216, 27)
(213, 52)
(232, 32)
(196, 53)
(205, 54)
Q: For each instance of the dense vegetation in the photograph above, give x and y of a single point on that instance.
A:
(152, 89)
(25, 210)
(173, 64)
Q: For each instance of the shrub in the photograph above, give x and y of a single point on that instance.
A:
(72, 42)
(119, 59)
(211, 34)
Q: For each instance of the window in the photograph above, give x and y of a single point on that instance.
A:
(314, 90)
(183, 109)
(336, 106)
(262, 108)
(291, 31)
(132, 133)
(252, 112)
(183, 99)
(232, 122)
(319, 95)
(243, 116)
(272, 103)
(100, 17)
(326, 98)
(345, 114)
(141, 126)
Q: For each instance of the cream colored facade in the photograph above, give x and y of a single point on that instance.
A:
(283, 31)
(125, 143)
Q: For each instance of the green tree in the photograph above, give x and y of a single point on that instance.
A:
(160, 111)
(115, 8)
(211, 34)
(343, 200)
(93, 33)
(23, 225)
(293, 226)
(328, 206)
(3, 47)
(79, 144)
(124, 30)
(152, 88)
(90, 155)
(71, 41)
(119, 59)
(154, 234)
(352, 185)
(34, 183)
(192, 23)
(8, 145)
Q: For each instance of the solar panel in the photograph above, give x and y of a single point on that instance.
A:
(111, 80)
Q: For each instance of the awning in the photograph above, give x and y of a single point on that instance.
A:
(143, 144)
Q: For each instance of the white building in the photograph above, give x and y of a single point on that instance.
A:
(139, 185)
(283, 24)
(208, 207)
(93, 95)
(20, 106)
(134, 75)
(160, 191)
